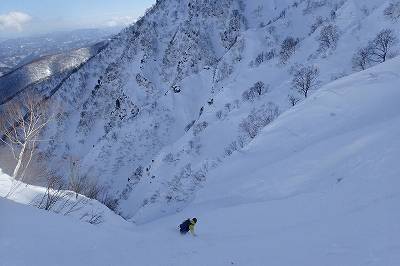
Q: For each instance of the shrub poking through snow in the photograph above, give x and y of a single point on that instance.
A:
(255, 92)
(54, 193)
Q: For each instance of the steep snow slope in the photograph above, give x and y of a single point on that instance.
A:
(345, 133)
(181, 168)
(159, 108)
(319, 186)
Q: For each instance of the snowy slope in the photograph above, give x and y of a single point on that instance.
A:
(347, 132)
(182, 167)
(68, 204)
(319, 186)
(157, 111)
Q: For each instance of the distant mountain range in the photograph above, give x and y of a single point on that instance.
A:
(20, 51)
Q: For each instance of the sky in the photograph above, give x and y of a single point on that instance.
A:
(30, 17)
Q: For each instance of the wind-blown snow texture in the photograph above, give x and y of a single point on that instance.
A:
(319, 186)
(162, 104)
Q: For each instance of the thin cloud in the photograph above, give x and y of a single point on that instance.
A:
(120, 21)
(14, 21)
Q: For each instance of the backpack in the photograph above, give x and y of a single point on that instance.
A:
(184, 227)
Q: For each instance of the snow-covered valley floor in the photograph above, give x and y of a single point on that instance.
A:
(319, 186)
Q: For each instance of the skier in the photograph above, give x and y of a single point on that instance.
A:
(188, 225)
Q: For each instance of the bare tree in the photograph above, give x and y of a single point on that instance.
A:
(305, 79)
(288, 48)
(362, 58)
(328, 37)
(377, 51)
(382, 44)
(21, 125)
(293, 99)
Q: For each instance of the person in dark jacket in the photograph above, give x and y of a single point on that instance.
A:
(188, 225)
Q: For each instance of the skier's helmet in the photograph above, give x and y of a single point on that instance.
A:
(194, 220)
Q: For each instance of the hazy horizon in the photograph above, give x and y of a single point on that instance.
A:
(25, 18)
(114, 29)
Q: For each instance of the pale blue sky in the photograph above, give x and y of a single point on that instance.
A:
(27, 17)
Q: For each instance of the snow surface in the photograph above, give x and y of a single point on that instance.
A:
(73, 205)
(319, 186)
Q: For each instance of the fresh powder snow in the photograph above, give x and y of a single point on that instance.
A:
(275, 123)
(318, 187)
